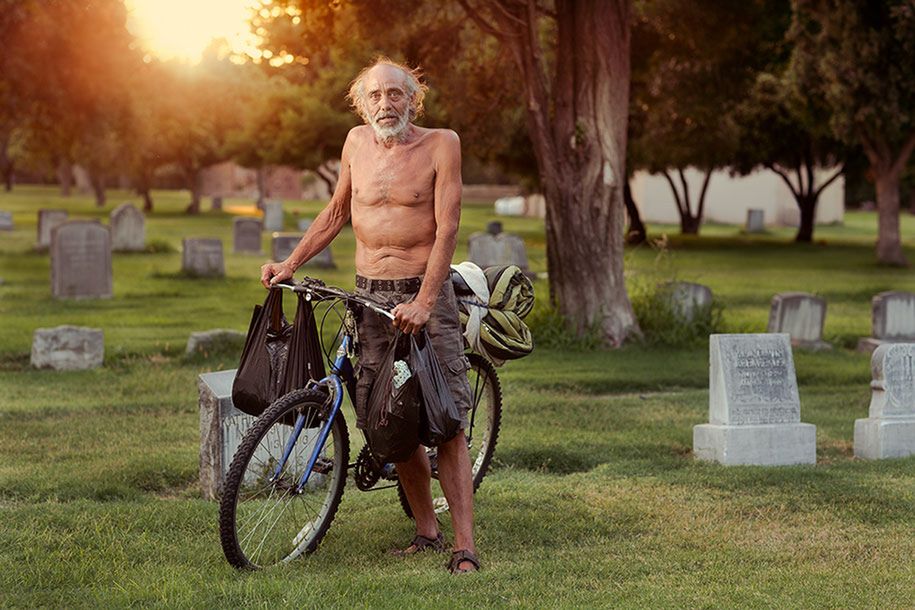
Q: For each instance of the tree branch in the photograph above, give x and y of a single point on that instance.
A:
(673, 188)
(708, 176)
(831, 179)
(482, 23)
(904, 154)
(784, 176)
(687, 203)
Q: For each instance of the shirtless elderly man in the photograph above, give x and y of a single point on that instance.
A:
(401, 185)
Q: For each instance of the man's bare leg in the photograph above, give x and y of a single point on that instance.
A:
(415, 477)
(455, 476)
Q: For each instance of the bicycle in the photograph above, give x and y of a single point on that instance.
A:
(286, 480)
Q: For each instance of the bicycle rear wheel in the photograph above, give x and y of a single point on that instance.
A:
(484, 420)
(264, 519)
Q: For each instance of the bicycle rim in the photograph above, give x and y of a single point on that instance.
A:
(264, 519)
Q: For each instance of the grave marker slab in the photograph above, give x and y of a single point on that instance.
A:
(690, 300)
(889, 430)
(128, 229)
(488, 250)
(216, 203)
(756, 221)
(68, 348)
(754, 407)
(202, 257)
(801, 315)
(892, 320)
(273, 216)
(246, 235)
(206, 340)
(222, 427)
(47, 220)
(81, 260)
(6, 221)
(510, 206)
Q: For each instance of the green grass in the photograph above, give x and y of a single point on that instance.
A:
(594, 500)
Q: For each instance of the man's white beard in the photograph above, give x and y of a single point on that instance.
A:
(395, 131)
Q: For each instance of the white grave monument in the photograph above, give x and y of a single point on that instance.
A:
(246, 235)
(754, 408)
(81, 260)
(889, 430)
(128, 229)
(756, 221)
(202, 258)
(892, 320)
(47, 220)
(67, 348)
(510, 206)
(222, 428)
(801, 315)
(690, 300)
(6, 221)
(273, 216)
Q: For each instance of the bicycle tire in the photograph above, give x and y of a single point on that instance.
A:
(327, 485)
(491, 388)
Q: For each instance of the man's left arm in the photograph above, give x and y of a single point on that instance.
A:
(411, 317)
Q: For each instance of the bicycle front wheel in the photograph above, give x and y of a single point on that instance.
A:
(266, 516)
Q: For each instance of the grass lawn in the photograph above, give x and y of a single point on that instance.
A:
(594, 500)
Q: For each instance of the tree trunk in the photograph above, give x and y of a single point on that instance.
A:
(689, 224)
(195, 183)
(98, 188)
(147, 199)
(9, 176)
(6, 164)
(636, 233)
(65, 177)
(889, 240)
(807, 203)
(261, 187)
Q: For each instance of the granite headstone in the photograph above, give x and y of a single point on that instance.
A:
(6, 221)
(509, 206)
(202, 258)
(216, 203)
(754, 407)
(81, 260)
(756, 221)
(689, 300)
(128, 229)
(488, 250)
(273, 216)
(68, 348)
(889, 430)
(801, 315)
(47, 220)
(246, 235)
(324, 258)
(892, 320)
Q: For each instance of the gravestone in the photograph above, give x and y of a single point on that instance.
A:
(47, 220)
(218, 338)
(690, 300)
(323, 259)
(754, 408)
(246, 235)
(892, 320)
(494, 227)
(535, 206)
(801, 315)
(273, 216)
(68, 348)
(81, 260)
(510, 206)
(6, 221)
(128, 229)
(202, 258)
(216, 203)
(488, 250)
(756, 221)
(889, 430)
(222, 427)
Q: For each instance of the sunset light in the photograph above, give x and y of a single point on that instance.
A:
(183, 29)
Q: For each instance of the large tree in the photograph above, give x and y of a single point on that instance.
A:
(859, 58)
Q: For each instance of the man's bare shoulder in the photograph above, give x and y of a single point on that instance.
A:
(358, 135)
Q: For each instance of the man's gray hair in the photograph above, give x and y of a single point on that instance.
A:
(414, 89)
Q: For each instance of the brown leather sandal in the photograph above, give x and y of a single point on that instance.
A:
(420, 544)
(458, 557)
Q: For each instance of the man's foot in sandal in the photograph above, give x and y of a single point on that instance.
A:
(463, 562)
(420, 544)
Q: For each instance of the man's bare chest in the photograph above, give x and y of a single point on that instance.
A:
(404, 177)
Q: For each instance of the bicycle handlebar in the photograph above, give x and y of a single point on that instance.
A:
(313, 286)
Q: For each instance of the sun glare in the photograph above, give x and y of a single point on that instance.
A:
(183, 29)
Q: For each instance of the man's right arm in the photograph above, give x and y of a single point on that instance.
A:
(325, 227)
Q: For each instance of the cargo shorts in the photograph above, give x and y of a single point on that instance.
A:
(375, 332)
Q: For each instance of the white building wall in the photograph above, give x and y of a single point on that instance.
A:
(728, 198)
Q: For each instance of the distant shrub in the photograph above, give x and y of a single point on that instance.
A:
(159, 246)
(552, 330)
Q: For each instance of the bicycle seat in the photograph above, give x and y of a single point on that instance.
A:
(461, 288)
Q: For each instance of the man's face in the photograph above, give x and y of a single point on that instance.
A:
(387, 101)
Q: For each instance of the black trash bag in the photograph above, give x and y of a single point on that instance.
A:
(393, 410)
(439, 417)
(261, 372)
(305, 360)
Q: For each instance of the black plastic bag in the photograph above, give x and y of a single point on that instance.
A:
(393, 410)
(440, 419)
(278, 357)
